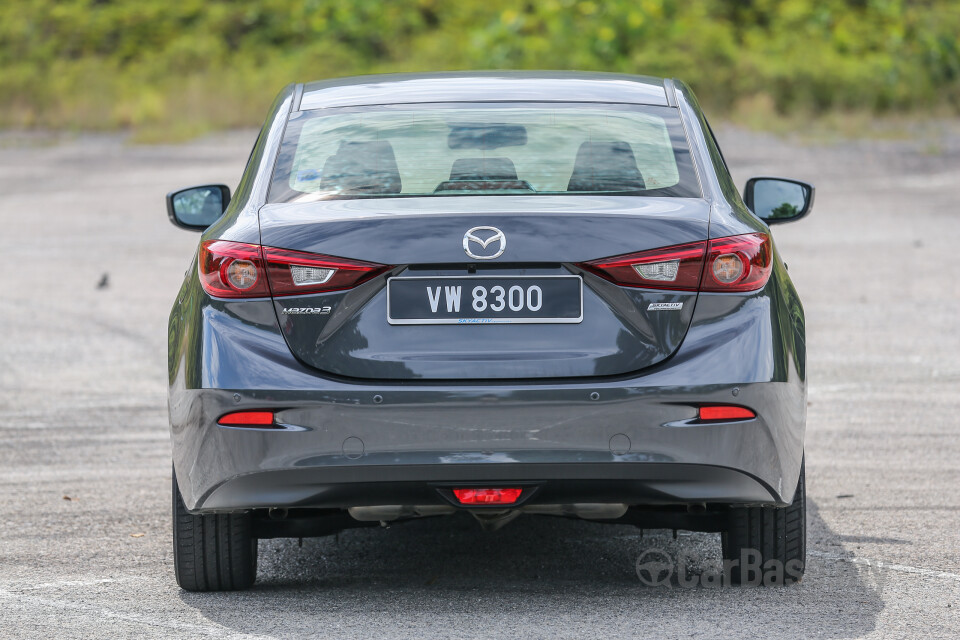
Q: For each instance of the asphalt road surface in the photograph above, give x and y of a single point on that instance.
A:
(90, 268)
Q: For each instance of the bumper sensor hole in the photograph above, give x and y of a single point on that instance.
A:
(353, 447)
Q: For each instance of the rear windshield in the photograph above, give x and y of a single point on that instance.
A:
(483, 149)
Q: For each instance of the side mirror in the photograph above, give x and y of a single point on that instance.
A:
(197, 208)
(777, 200)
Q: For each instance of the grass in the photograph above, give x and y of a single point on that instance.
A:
(166, 71)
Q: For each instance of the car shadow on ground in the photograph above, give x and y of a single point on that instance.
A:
(575, 575)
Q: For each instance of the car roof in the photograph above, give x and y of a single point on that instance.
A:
(485, 86)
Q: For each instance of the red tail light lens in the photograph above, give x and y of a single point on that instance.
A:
(676, 268)
(295, 273)
(239, 270)
(232, 270)
(488, 496)
(247, 419)
(724, 265)
(738, 263)
(725, 414)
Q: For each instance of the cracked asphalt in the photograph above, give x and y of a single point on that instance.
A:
(91, 266)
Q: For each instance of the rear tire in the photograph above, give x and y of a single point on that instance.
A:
(216, 552)
(768, 545)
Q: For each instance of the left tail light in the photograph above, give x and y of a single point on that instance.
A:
(723, 265)
(294, 273)
(239, 270)
(232, 270)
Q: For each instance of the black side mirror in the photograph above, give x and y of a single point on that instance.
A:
(196, 208)
(776, 200)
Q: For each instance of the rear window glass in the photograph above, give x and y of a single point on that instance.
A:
(483, 149)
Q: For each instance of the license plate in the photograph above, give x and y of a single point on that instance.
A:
(485, 300)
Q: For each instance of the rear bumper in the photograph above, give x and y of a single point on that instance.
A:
(578, 443)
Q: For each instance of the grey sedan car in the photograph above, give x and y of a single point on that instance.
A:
(501, 293)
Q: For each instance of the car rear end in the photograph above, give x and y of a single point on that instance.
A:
(505, 307)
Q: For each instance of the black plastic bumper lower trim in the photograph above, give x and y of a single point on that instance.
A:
(567, 483)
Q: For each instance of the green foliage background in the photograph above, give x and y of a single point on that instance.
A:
(186, 66)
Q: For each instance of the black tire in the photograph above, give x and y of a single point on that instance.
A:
(216, 552)
(768, 545)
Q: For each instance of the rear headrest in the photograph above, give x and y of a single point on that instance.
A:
(483, 169)
(367, 167)
(605, 166)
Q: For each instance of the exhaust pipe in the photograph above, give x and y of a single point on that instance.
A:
(389, 512)
(587, 511)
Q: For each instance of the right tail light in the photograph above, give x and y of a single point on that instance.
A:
(723, 265)
(738, 263)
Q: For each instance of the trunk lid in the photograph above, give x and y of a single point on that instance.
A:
(348, 333)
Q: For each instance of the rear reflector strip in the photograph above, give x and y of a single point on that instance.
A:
(725, 413)
(488, 496)
(247, 419)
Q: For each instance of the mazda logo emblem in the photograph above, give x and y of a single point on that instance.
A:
(482, 238)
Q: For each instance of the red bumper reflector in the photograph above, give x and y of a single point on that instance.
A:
(726, 413)
(488, 496)
(247, 419)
